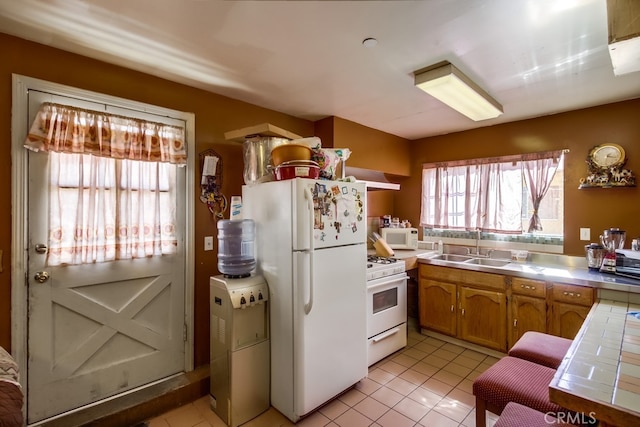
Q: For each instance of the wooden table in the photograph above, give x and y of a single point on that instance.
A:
(600, 375)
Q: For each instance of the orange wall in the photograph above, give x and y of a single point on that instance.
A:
(214, 114)
(577, 131)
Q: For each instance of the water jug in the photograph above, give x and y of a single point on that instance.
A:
(236, 241)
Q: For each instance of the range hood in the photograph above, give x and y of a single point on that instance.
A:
(374, 180)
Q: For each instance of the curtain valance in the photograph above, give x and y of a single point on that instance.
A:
(66, 129)
(502, 159)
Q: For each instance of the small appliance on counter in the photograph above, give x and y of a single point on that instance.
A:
(611, 239)
(595, 254)
(628, 263)
(400, 238)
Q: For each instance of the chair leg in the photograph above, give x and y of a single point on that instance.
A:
(481, 412)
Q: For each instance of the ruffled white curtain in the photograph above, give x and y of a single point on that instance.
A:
(107, 205)
(485, 194)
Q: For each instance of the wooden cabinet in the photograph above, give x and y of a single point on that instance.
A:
(527, 308)
(494, 310)
(482, 317)
(465, 304)
(438, 306)
(570, 306)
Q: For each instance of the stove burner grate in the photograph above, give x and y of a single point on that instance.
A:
(380, 259)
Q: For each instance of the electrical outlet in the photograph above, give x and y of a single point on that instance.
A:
(208, 243)
(585, 234)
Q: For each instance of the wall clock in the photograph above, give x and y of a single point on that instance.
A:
(606, 156)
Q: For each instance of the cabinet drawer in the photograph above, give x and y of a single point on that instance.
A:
(533, 288)
(483, 280)
(446, 274)
(579, 295)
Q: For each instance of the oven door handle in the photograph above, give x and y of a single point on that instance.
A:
(389, 279)
(385, 335)
(309, 305)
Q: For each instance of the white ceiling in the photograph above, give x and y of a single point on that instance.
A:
(306, 58)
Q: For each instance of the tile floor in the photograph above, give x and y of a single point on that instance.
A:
(428, 383)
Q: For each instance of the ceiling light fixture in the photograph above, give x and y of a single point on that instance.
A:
(446, 83)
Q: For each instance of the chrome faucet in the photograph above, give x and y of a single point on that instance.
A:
(478, 241)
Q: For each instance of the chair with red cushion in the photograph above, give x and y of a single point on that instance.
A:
(517, 415)
(513, 380)
(540, 348)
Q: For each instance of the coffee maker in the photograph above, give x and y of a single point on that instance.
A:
(611, 239)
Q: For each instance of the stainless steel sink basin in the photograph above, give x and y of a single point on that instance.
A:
(488, 262)
(453, 257)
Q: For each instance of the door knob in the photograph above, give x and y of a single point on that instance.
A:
(41, 248)
(41, 276)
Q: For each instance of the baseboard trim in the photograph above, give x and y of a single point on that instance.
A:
(139, 406)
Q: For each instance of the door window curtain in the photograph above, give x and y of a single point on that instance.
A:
(485, 194)
(111, 184)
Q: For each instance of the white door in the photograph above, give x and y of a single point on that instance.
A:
(100, 329)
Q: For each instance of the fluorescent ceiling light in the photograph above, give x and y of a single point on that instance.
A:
(446, 83)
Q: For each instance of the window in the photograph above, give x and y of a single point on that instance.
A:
(509, 195)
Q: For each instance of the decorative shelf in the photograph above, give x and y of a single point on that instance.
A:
(605, 186)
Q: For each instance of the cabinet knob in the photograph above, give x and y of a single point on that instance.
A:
(515, 323)
(463, 311)
(452, 308)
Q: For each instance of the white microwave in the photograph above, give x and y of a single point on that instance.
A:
(400, 238)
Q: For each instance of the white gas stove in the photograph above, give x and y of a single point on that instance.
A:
(386, 307)
(378, 267)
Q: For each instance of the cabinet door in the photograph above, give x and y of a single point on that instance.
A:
(438, 306)
(526, 314)
(483, 317)
(567, 319)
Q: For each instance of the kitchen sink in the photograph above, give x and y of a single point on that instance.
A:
(453, 258)
(488, 262)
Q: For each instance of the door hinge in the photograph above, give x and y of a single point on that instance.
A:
(184, 332)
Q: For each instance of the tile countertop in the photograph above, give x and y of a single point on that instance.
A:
(600, 374)
(555, 273)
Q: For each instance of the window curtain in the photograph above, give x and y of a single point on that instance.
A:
(538, 173)
(65, 129)
(486, 194)
(105, 207)
(472, 197)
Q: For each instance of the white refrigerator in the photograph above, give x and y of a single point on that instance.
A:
(311, 249)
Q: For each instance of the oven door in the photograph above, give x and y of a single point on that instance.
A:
(386, 303)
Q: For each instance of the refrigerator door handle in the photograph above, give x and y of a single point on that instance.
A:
(309, 305)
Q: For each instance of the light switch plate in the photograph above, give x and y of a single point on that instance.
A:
(585, 234)
(208, 243)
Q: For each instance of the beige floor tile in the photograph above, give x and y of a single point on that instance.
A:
(457, 369)
(453, 409)
(425, 368)
(437, 386)
(472, 354)
(334, 409)
(445, 354)
(467, 399)
(466, 385)
(395, 419)
(405, 360)
(380, 376)
(466, 361)
(371, 408)
(453, 348)
(387, 396)
(367, 386)
(316, 419)
(185, 416)
(426, 347)
(434, 341)
(158, 422)
(414, 376)
(352, 397)
(411, 409)
(353, 418)
(425, 397)
(473, 375)
(436, 361)
(393, 367)
(402, 386)
(436, 419)
(448, 378)
(415, 353)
